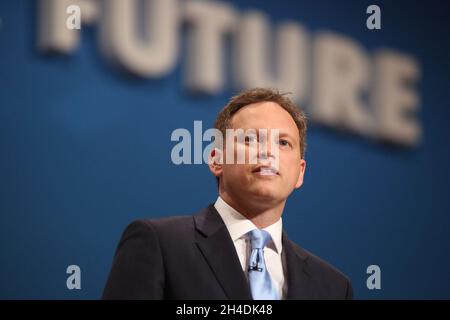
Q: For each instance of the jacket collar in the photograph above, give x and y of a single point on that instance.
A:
(216, 245)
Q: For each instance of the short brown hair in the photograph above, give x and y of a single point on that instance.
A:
(263, 95)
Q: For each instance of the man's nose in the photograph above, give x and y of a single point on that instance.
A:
(265, 151)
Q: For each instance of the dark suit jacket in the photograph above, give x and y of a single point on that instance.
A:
(193, 257)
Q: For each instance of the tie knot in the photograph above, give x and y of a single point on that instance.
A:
(259, 238)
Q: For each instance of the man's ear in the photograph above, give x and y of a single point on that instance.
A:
(302, 174)
(215, 162)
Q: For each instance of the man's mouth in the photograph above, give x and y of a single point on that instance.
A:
(266, 171)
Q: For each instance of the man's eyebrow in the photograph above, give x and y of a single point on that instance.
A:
(281, 132)
(286, 134)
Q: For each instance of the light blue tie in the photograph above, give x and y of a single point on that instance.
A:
(261, 284)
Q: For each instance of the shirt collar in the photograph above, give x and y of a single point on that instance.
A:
(238, 225)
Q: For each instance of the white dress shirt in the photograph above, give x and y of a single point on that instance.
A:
(238, 226)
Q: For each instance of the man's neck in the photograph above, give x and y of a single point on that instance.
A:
(259, 213)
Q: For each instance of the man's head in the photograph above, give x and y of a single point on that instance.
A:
(262, 109)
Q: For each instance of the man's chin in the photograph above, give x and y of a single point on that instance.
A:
(266, 193)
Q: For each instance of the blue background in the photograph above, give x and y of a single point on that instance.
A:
(86, 149)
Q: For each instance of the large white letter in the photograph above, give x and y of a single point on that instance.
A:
(254, 47)
(341, 74)
(208, 21)
(395, 101)
(53, 34)
(150, 53)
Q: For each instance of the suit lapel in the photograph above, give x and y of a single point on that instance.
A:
(299, 281)
(216, 245)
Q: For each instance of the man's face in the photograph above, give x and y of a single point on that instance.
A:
(249, 182)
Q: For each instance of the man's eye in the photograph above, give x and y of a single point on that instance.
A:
(284, 143)
(249, 139)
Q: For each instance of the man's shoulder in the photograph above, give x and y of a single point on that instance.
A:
(174, 222)
(318, 267)
(163, 224)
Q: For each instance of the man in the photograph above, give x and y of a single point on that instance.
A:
(235, 248)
